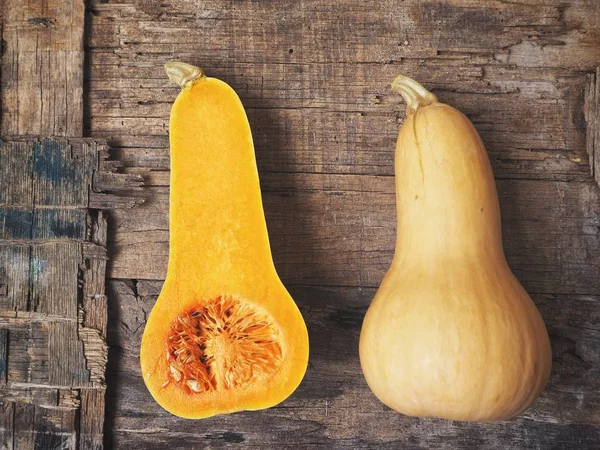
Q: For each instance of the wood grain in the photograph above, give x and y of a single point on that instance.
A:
(592, 110)
(314, 78)
(42, 68)
(52, 302)
(340, 230)
(44, 194)
(334, 408)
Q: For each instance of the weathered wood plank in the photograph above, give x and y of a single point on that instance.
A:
(62, 172)
(90, 426)
(28, 355)
(94, 300)
(314, 78)
(3, 356)
(23, 423)
(14, 276)
(369, 32)
(334, 407)
(95, 355)
(17, 188)
(54, 345)
(35, 223)
(528, 132)
(6, 425)
(43, 397)
(57, 172)
(66, 364)
(52, 302)
(528, 114)
(49, 275)
(55, 429)
(53, 272)
(340, 230)
(592, 110)
(42, 68)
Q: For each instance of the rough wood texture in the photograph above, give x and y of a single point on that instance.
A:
(328, 110)
(333, 407)
(42, 68)
(52, 302)
(314, 77)
(340, 230)
(592, 110)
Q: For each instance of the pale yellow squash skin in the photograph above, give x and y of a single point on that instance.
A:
(450, 333)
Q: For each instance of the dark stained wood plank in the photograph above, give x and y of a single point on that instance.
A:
(3, 355)
(592, 110)
(333, 406)
(23, 423)
(42, 68)
(55, 429)
(6, 424)
(314, 78)
(62, 171)
(90, 427)
(340, 230)
(52, 302)
(529, 114)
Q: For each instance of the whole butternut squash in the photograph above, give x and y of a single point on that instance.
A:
(224, 334)
(450, 333)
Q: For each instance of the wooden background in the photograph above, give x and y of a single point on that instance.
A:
(314, 77)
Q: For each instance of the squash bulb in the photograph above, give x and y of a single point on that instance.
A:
(450, 333)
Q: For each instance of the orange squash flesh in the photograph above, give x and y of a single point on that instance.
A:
(222, 306)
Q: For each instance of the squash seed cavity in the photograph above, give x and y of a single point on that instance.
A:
(223, 344)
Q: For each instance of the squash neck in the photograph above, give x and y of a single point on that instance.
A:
(440, 220)
(217, 224)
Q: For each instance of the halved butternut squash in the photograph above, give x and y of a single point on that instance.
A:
(224, 335)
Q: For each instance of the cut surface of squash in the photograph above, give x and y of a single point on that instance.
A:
(224, 334)
(223, 344)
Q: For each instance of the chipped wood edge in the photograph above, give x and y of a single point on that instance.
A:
(95, 350)
(44, 397)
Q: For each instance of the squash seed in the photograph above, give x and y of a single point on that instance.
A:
(175, 373)
(194, 385)
(223, 344)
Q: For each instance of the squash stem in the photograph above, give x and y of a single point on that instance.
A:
(183, 74)
(414, 94)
